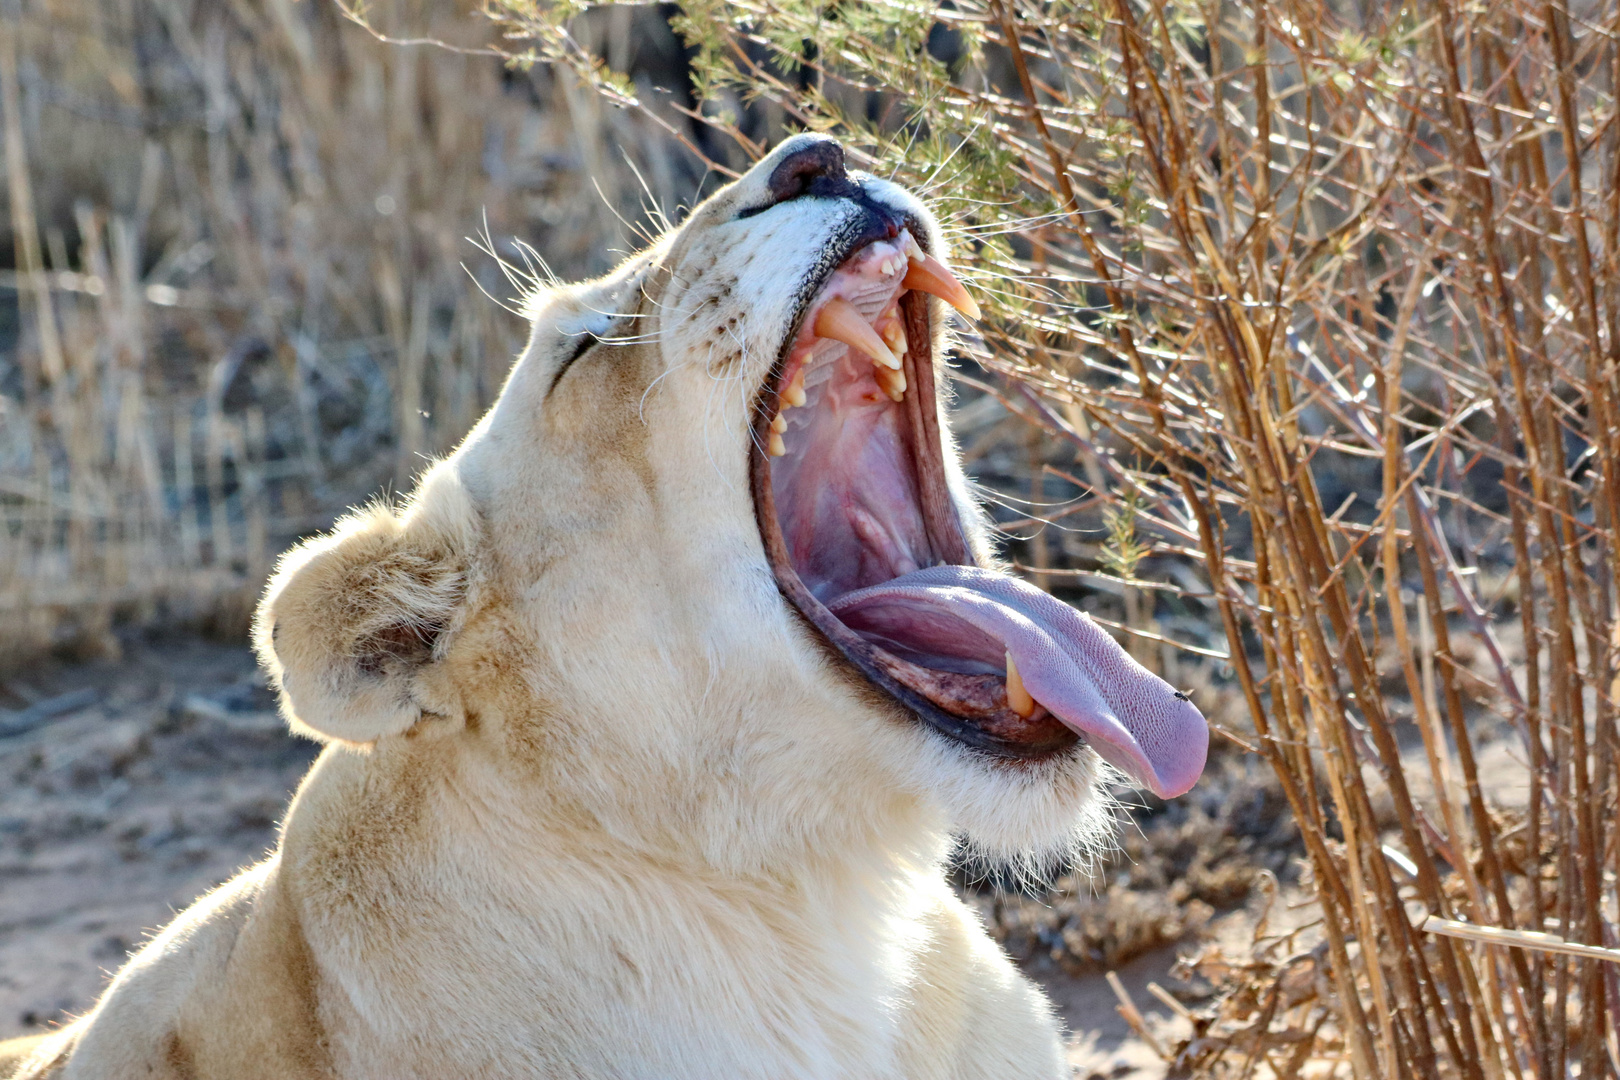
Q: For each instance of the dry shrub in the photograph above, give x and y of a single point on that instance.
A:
(1322, 302)
(1243, 1028)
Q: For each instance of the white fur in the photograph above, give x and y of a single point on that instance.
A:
(598, 803)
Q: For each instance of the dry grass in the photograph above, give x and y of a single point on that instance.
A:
(239, 232)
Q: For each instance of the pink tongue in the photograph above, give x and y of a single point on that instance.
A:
(966, 619)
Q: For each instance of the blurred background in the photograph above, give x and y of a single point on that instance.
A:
(245, 286)
(1297, 372)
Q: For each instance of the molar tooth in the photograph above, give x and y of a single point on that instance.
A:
(779, 423)
(927, 274)
(839, 321)
(1018, 699)
(793, 392)
(774, 446)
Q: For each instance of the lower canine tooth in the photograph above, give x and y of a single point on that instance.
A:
(778, 423)
(774, 446)
(1018, 699)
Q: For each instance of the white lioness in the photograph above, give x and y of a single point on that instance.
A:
(652, 712)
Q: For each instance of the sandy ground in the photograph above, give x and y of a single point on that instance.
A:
(129, 787)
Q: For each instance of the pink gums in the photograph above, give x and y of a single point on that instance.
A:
(846, 490)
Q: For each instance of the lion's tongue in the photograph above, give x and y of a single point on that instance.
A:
(966, 619)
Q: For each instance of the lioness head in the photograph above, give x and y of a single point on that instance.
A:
(708, 574)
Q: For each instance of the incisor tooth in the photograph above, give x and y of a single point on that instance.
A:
(892, 383)
(793, 392)
(779, 423)
(1018, 699)
(774, 446)
(929, 275)
(839, 321)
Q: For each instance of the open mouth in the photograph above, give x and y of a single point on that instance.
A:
(867, 543)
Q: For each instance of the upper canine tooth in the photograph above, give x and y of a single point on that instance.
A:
(778, 423)
(793, 392)
(1018, 699)
(927, 274)
(774, 446)
(839, 320)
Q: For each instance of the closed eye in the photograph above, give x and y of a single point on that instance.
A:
(585, 340)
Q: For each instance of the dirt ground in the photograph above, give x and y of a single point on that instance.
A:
(128, 787)
(157, 778)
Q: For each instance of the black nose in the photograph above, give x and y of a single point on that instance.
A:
(816, 168)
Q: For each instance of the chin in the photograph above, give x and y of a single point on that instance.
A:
(1035, 818)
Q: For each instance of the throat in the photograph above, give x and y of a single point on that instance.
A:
(846, 490)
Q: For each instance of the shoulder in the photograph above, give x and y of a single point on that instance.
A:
(134, 1028)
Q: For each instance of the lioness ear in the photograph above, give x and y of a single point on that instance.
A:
(351, 621)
